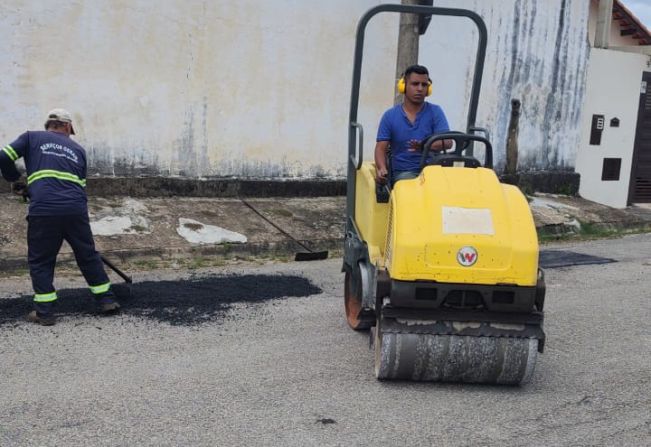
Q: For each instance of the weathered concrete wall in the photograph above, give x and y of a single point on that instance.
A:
(192, 88)
(537, 53)
(261, 88)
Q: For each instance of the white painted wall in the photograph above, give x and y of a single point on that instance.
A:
(613, 90)
(189, 87)
(261, 87)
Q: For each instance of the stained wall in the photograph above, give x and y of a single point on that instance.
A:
(256, 88)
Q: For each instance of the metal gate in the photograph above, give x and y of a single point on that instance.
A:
(640, 186)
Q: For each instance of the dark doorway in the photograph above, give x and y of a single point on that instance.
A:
(640, 186)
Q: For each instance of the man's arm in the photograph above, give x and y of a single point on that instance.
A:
(440, 126)
(381, 161)
(8, 156)
(384, 133)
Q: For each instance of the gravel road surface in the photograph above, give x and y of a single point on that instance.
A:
(261, 355)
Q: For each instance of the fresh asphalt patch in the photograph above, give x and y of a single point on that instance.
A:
(187, 302)
(549, 259)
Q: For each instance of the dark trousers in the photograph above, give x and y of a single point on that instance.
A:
(45, 234)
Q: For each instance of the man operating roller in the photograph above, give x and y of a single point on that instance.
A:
(404, 127)
(58, 211)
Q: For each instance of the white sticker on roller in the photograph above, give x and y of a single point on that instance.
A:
(467, 221)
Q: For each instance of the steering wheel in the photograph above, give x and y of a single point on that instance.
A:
(462, 142)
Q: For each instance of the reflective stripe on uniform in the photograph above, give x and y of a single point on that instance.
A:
(102, 288)
(59, 175)
(45, 297)
(10, 152)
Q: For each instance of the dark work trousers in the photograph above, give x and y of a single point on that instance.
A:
(45, 234)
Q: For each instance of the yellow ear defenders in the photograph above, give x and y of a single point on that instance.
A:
(401, 86)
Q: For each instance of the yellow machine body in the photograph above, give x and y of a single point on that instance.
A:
(445, 214)
(371, 217)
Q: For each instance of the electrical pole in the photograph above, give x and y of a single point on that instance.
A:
(411, 27)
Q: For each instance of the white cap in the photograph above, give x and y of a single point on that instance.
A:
(60, 115)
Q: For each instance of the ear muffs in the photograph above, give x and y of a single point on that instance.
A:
(401, 86)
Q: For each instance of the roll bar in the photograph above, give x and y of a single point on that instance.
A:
(354, 158)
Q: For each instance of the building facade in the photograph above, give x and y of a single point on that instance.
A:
(614, 157)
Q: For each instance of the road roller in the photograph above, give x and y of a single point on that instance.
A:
(442, 269)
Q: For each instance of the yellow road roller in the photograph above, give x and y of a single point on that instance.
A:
(442, 268)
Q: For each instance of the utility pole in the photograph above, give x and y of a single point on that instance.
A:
(411, 27)
(511, 167)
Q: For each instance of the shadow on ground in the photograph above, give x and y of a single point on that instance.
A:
(179, 303)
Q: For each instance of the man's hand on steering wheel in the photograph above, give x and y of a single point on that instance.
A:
(440, 147)
(417, 146)
(414, 146)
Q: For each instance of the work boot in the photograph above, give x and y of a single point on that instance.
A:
(110, 308)
(107, 304)
(38, 318)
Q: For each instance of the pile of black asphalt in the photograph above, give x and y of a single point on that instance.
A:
(549, 259)
(189, 302)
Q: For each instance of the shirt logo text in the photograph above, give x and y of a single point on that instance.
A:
(59, 150)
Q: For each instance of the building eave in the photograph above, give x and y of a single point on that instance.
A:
(630, 25)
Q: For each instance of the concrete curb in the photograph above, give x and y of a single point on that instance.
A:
(565, 230)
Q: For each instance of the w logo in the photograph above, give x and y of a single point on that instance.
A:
(467, 256)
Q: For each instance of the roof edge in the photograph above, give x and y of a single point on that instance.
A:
(642, 34)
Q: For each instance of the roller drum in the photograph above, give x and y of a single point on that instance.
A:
(454, 358)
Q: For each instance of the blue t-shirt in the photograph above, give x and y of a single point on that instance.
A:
(396, 128)
(56, 172)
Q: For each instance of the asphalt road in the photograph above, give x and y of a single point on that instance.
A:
(261, 355)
